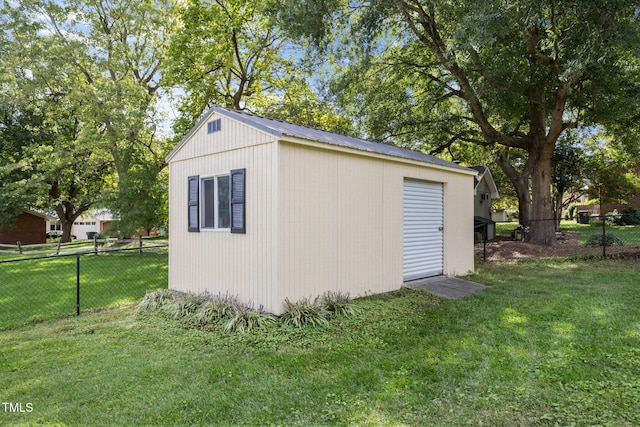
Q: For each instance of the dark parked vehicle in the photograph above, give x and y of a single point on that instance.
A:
(56, 234)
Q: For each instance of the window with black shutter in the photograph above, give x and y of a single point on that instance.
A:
(217, 202)
(193, 204)
(238, 201)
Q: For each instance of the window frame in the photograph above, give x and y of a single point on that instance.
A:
(216, 195)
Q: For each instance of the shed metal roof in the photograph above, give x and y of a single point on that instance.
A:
(281, 129)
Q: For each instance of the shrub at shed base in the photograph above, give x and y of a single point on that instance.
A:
(206, 310)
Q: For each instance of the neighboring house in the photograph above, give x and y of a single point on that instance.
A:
(597, 210)
(84, 227)
(484, 191)
(29, 228)
(266, 210)
(499, 215)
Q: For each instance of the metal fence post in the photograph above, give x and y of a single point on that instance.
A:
(484, 241)
(77, 285)
(604, 236)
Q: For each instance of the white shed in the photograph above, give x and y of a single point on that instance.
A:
(267, 210)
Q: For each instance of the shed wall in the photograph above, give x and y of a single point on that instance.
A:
(341, 221)
(241, 265)
(482, 207)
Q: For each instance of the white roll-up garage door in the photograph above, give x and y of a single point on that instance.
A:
(423, 224)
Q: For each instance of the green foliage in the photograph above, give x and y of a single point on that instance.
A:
(246, 318)
(628, 216)
(231, 53)
(612, 179)
(337, 303)
(226, 53)
(569, 162)
(304, 312)
(609, 240)
(434, 75)
(91, 73)
(208, 311)
(156, 300)
(184, 305)
(216, 310)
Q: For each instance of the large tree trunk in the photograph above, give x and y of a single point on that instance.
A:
(66, 230)
(520, 182)
(542, 226)
(67, 217)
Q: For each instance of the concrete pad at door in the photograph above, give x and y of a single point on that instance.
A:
(446, 287)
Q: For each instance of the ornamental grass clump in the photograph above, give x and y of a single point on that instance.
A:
(156, 300)
(185, 306)
(304, 312)
(227, 312)
(337, 303)
(216, 309)
(247, 318)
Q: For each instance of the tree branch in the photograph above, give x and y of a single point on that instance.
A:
(428, 33)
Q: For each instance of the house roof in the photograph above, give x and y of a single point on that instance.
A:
(484, 173)
(282, 130)
(38, 214)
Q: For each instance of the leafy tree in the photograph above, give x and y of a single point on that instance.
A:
(116, 50)
(46, 165)
(512, 75)
(611, 178)
(231, 53)
(569, 163)
(224, 53)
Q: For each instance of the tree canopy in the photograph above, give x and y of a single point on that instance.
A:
(103, 59)
(232, 53)
(472, 80)
(510, 75)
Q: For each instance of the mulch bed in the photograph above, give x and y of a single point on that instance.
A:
(506, 249)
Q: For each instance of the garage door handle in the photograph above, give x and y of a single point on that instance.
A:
(440, 228)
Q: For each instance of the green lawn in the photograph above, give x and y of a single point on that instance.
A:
(553, 342)
(630, 235)
(45, 288)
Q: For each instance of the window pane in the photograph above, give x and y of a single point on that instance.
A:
(208, 203)
(223, 202)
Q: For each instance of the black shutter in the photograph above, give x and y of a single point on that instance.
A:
(237, 200)
(194, 198)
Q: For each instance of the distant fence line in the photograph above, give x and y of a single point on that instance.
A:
(588, 235)
(47, 286)
(58, 248)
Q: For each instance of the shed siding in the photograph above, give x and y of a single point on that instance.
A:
(318, 217)
(482, 207)
(341, 221)
(232, 136)
(219, 261)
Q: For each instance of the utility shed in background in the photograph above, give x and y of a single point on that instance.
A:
(267, 210)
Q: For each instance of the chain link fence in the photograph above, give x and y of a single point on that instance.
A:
(587, 235)
(47, 286)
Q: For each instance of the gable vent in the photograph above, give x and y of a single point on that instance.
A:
(214, 126)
